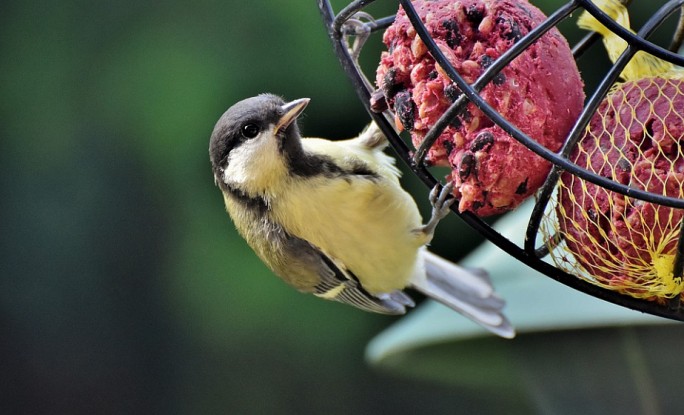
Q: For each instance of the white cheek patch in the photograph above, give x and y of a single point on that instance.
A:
(254, 162)
(237, 166)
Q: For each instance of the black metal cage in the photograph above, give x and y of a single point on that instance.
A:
(353, 22)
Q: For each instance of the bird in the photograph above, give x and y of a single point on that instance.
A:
(330, 218)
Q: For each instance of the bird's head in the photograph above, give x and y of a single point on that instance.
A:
(253, 140)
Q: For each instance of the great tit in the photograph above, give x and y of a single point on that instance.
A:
(330, 217)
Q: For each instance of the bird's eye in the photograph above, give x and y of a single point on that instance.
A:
(250, 130)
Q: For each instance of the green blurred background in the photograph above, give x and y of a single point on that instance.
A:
(125, 288)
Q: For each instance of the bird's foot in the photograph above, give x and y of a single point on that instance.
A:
(441, 201)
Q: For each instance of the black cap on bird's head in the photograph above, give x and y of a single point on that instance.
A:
(248, 118)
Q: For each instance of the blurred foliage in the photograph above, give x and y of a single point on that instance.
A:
(124, 286)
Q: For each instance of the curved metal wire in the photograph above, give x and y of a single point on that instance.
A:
(527, 253)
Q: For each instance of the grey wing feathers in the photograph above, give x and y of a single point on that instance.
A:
(311, 270)
(341, 285)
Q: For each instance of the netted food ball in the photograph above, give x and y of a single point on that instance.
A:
(635, 138)
(540, 92)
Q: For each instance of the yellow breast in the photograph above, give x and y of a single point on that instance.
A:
(366, 224)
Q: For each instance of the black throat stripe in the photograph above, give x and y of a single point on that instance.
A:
(254, 203)
(303, 163)
(309, 165)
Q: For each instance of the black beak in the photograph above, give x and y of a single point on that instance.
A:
(291, 112)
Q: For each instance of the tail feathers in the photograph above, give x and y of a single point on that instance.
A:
(402, 298)
(471, 282)
(469, 292)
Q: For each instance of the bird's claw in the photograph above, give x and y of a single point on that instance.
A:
(357, 27)
(441, 201)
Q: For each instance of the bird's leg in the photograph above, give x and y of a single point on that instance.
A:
(358, 27)
(441, 202)
(361, 32)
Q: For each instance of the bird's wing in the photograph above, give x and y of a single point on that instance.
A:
(343, 286)
(337, 283)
